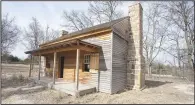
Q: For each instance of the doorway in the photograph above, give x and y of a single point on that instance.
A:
(61, 66)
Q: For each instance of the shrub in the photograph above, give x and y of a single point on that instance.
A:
(21, 78)
(49, 72)
(14, 77)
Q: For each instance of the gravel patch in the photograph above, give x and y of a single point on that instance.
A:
(186, 88)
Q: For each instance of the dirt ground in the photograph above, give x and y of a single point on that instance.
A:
(164, 90)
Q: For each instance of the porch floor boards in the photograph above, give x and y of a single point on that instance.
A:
(66, 87)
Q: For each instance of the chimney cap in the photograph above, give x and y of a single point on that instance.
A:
(135, 4)
(64, 32)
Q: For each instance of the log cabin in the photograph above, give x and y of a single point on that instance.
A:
(108, 56)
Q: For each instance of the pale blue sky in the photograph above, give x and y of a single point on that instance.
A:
(47, 12)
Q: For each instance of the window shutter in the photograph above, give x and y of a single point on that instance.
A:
(94, 61)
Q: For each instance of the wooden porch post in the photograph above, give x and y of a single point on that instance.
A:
(30, 65)
(54, 67)
(39, 67)
(77, 69)
(32, 62)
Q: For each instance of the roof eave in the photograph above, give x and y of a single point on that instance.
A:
(75, 36)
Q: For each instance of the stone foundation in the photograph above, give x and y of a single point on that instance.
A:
(43, 66)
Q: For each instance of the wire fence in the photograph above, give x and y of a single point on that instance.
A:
(183, 73)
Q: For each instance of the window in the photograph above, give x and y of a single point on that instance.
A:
(86, 63)
(47, 63)
(86, 59)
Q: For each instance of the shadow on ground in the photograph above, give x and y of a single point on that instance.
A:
(153, 84)
(149, 84)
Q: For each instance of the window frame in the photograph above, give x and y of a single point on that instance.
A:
(86, 61)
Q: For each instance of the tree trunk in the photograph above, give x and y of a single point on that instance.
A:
(189, 50)
(148, 69)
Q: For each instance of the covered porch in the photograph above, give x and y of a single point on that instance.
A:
(66, 87)
(70, 65)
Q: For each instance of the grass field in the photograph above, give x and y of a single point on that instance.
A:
(17, 89)
(10, 69)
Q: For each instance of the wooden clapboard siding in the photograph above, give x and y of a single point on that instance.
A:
(119, 63)
(70, 66)
(111, 76)
(105, 64)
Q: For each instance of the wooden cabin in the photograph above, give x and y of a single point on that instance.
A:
(107, 56)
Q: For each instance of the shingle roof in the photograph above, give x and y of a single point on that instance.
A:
(86, 30)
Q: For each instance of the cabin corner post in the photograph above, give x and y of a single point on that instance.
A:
(77, 69)
(30, 65)
(39, 67)
(54, 67)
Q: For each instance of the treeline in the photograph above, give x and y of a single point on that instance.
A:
(9, 58)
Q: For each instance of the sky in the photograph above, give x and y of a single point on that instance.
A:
(48, 13)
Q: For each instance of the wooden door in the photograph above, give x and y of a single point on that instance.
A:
(61, 67)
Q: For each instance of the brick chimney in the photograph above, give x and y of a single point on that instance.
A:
(135, 70)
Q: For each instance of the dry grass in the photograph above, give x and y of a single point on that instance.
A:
(9, 69)
(156, 92)
(165, 94)
(14, 81)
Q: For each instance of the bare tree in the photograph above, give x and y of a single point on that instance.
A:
(33, 35)
(46, 34)
(98, 12)
(105, 11)
(77, 20)
(154, 33)
(174, 47)
(181, 14)
(50, 34)
(10, 32)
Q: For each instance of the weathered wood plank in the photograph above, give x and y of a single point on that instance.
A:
(30, 66)
(39, 67)
(54, 66)
(102, 81)
(77, 69)
(119, 63)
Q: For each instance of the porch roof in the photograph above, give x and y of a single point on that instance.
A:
(65, 46)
